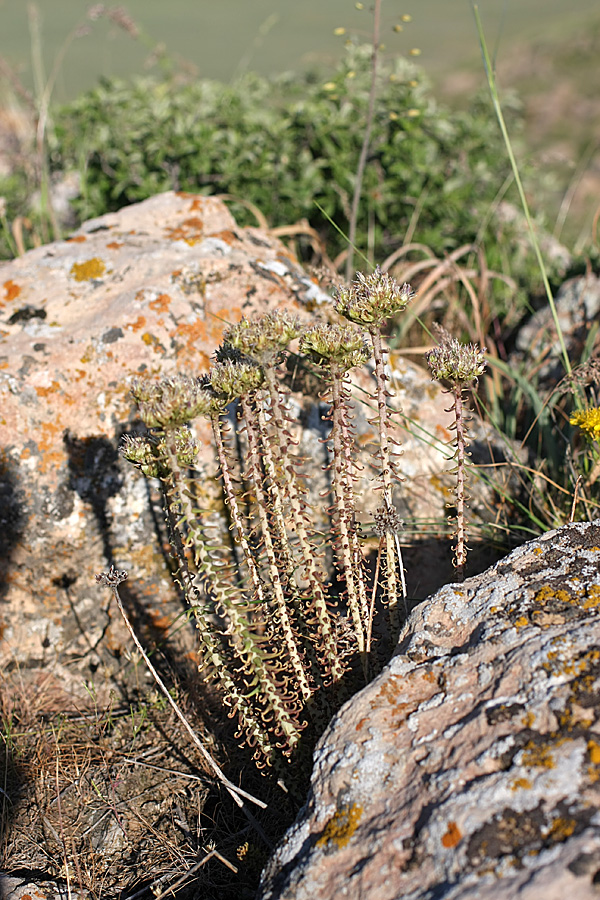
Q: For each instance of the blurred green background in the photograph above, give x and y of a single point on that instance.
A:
(223, 38)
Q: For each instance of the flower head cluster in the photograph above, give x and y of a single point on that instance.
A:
(262, 340)
(171, 402)
(588, 421)
(147, 452)
(460, 364)
(335, 346)
(387, 521)
(234, 379)
(371, 299)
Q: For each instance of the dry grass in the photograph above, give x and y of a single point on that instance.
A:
(117, 802)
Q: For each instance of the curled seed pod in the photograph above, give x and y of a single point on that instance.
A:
(372, 299)
(341, 346)
(231, 380)
(171, 402)
(263, 340)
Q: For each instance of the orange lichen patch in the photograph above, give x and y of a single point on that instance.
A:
(86, 271)
(360, 724)
(139, 323)
(341, 826)
(45, 391)
(228, 237)
(160, 622)
(443, 434)
(11, 290)
(594, 751)
(114, 245)
(191, 231)
(520, 784)
(78, 239)
(452, 837)
(190, 336)
(594, 549)
(430, 676)
(48, 435)
(538, 551)
(197, 203)
(161, 303)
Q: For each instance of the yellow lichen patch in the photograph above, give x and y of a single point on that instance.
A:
(528, 719)
(561, 829)
(341, 826)
(549, 593)
(86, 271)
(152, 341)
(592, 598)
(521, 622)
(594, 752)
(11, 290)
(537, 755)
(453, 836)
(538, 551)
(521, 784)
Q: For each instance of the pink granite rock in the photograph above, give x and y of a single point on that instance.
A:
(470, 768)
(147, 291)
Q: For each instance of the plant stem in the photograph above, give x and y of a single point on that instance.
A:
(460, 551)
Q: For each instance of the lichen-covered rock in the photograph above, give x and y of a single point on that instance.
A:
(147, 292)
(470, 768)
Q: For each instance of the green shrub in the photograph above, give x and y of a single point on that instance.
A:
(290, 142)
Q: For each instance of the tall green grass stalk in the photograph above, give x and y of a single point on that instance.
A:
(493, 88)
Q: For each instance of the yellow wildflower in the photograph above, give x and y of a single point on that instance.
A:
(589, 422)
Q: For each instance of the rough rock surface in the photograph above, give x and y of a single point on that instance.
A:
(20, 888)
(147, 290)
(537, 345)
(471, 767)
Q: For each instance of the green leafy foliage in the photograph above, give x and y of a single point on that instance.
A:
(291, 142)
